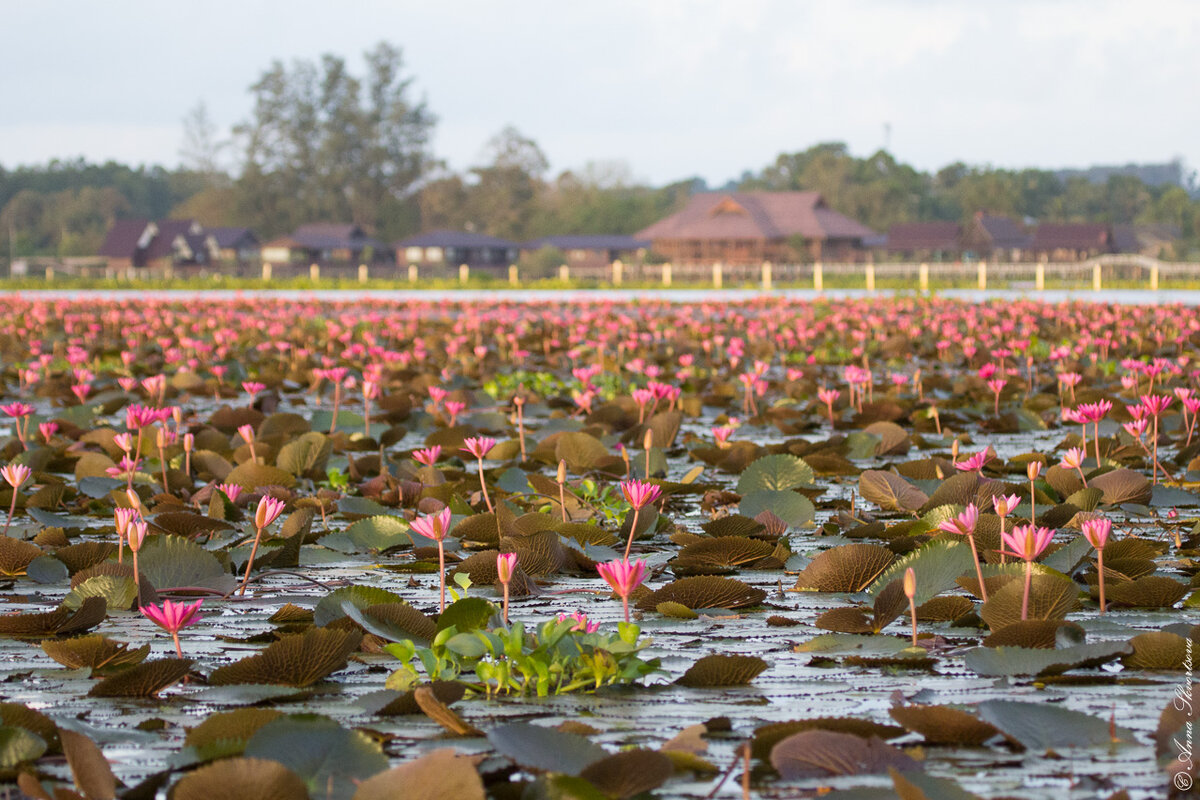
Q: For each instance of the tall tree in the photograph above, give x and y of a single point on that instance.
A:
(325, 145)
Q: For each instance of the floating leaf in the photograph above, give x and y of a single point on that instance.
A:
(889, 491)
(937, 566)
(705, 592)
(727, 551)
(1152, 591)
(259, 778)
(60, 622)
(1034, 633)
(94, 652)
(721, 669)
(629, 772)
(328, 758)
(544, 749)
(379, 533)
(143, 680)
(229, 729)
(581, 451)
(1159, 650)
(848, 568)
(330, 607)
(19, 715)
(15, 555)
(172, 562)
(794, 509)
(771, 734)
(18, 745)
(305, 455)
(252, 475)
(1050, 597)
(779, 472)
(1122, 486)
(90, 768)
(944, 725)
(427, 700)
(47, 569)
(1000, 661)
(393, 621)
(434, 776)
(822, 754)
(1040, 726)
(118, 592)
(299, 660)
(733, 525)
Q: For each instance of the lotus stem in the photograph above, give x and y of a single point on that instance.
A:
(483, 487)
(1100, 568)
(1028, 586)
(629, 544)
(249, 564)
(978, 569)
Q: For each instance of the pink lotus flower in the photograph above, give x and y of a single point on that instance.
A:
(1027, 542)
(16, 474)
(138, 416)
(454, 408)
(506, 563)
(428, 456)
(976, 462)
(174, 617)
(582, 623)
(623, 577)
(1097, 531)
(964, 525)
(640, 493)
(433, 526)
(268, 510)
(1005, 504)
(1073, 459)
(17, 410)
(47, 430)
(252, 387)
(436, 526)
(231, 490)
(479, 446)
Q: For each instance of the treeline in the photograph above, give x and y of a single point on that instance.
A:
(324, 144)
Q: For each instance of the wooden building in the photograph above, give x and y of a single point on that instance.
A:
(334, 244)
(153, 245)
(1071, 241)
(739, 228)
(592, 251)
(452, 249)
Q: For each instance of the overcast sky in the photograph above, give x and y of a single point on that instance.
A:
(673, 88)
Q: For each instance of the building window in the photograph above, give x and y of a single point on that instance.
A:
(433, 254)
(412, 254)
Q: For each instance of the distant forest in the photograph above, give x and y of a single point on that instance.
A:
(325, 145)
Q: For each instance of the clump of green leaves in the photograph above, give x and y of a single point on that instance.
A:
(556, 658)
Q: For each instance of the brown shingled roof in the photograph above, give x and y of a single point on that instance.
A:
(756, 215)
(909, 236)
(1072, 236)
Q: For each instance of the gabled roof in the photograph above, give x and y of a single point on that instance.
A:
(1005, 233)
(122, 238)
(333, 236)
(1133, 238)
(163, 245)
(756, 215)
(445, 238)
(910, 236)
(1072, 236)
(588, 242)
(228, 238)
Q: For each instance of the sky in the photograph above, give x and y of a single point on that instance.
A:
(668, 89)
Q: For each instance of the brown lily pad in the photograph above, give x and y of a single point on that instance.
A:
(299, 660)
(722, 670)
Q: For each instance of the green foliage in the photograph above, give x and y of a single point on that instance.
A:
(553, 659)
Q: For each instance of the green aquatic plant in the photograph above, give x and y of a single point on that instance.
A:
(558, 657)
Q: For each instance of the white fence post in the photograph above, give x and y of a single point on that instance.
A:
(982, 276)
(514, 276)
(718, 275)
(1096, 280)
(870, 277)
(818, 277)
(464, 273)
(266, 271)
(923, 277)
(766, 276)
(314, 272)
(413, 273)
(666, 274)
(1039, 277)
(618, 270)
(363, 273)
